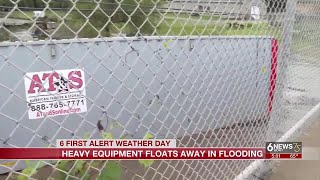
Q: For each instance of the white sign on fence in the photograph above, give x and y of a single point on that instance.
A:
(53, 93)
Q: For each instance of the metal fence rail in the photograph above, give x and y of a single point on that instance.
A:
(211, 73)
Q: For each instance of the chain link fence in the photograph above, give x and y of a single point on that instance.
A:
(208, 73)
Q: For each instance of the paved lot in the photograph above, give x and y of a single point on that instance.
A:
(305, 169)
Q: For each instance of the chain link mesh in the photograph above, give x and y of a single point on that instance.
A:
(209, 73)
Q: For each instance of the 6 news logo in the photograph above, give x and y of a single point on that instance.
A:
(284, 147)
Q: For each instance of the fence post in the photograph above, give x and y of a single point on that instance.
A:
(262, 167)
(284, 56)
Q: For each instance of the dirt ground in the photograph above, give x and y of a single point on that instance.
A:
(304, 169)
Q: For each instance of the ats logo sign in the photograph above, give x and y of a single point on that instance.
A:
(52, 81)
(53, 93)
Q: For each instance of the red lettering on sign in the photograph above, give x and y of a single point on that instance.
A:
(51, 79)
(36, 86)
(75, 76)
(35, 83)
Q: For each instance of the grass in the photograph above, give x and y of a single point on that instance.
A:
(172, 24)
(172, 27)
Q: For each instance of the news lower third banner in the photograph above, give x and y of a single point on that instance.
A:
(153, 149)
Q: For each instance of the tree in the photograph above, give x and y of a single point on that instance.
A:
(276, 5)
(6, 3)
(131, 16)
